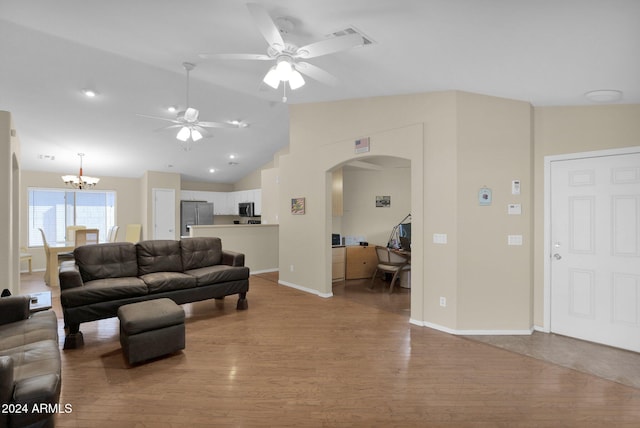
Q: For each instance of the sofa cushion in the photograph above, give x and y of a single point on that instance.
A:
(200, 252)
(36, 371)
(159, 282)
(158, 256)
(219, 273)
(40, 326)
(112, 260)
(103, 290)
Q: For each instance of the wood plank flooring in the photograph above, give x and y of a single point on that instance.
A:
(297, 360)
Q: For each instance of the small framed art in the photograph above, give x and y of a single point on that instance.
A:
(298, 206)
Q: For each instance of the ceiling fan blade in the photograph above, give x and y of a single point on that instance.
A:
(254, 57)
(216, 125)
(160, 118)
(316, 73)
(329, 46)
(164, 128)
(204, 132)
(266, 26)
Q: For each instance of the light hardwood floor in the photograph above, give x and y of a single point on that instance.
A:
(297, 360)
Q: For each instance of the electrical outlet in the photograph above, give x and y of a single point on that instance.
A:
(443, 302)
(291, 268)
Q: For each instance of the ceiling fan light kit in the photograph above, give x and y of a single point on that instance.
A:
(286, 55)
(191, 129)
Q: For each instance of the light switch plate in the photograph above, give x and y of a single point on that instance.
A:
(514, 209)
(514, 239)
(439, 238)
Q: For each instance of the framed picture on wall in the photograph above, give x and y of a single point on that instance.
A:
(383, 201)
(297, 206)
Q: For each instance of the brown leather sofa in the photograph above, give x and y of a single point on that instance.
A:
(29, 365)
(104, 277)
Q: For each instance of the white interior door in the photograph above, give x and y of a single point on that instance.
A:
(164, 213)
(595, 249)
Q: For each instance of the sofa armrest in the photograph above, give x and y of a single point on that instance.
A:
(69, 276)
(14, 308)
(232, 258)
(6, 378)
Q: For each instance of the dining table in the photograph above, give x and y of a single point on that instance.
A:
(51, 269)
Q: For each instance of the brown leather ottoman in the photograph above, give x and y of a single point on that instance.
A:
(151, 329)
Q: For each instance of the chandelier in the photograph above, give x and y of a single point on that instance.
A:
(80, 181)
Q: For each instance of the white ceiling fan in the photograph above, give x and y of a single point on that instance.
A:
(288, 57)
(192, 129)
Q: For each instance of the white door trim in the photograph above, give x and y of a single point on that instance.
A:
(547, 216)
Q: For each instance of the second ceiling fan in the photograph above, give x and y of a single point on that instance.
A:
(289, 65)
(191, 128)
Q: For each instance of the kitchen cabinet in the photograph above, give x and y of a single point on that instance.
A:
(225, 203)
(338, 261)
(361, 262)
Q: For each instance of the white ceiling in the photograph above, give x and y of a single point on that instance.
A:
(547, 52)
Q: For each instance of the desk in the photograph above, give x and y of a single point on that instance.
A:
(51, 271)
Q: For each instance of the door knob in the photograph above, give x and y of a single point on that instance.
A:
(557, 256)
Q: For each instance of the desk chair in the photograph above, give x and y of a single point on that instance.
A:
(87, 237)
(390, 262)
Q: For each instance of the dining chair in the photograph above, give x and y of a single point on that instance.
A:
(113, 234)
(390, 262)
(25, 256)
(71, 232)
(132, 233)
(87, 237)
(47, 253)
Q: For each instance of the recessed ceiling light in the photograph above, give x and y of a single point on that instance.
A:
(604, 95)
(172, 109)
(212, 170)
(232, 156)
(89, 93)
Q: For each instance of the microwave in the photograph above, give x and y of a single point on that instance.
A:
(246, 209)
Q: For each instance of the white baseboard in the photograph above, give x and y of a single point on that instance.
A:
(472, 332)
(305, 289)
(265, 271)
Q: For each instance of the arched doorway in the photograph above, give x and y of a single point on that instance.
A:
(370, 197)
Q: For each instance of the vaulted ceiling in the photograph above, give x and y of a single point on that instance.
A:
(547, 52)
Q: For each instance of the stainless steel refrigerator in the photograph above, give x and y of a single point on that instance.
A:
(194, 213)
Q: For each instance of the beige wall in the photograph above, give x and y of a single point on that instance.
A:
(258, 243)
(361, 217)
(457, 142)
(206, 187)
(562, 130)
(9, 215)
(128, 204)
(494, 279)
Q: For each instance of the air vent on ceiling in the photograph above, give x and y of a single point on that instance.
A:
(47, 157)
(352, 30)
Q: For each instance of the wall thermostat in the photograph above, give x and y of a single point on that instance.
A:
(484, 196)
(515, 187)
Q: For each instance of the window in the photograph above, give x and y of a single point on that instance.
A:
(54, 209)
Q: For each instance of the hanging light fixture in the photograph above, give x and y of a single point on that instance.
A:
(284, 71)
(80, 181)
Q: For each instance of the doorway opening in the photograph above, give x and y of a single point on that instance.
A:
(371, 198)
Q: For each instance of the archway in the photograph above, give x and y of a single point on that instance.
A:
(370, 197)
